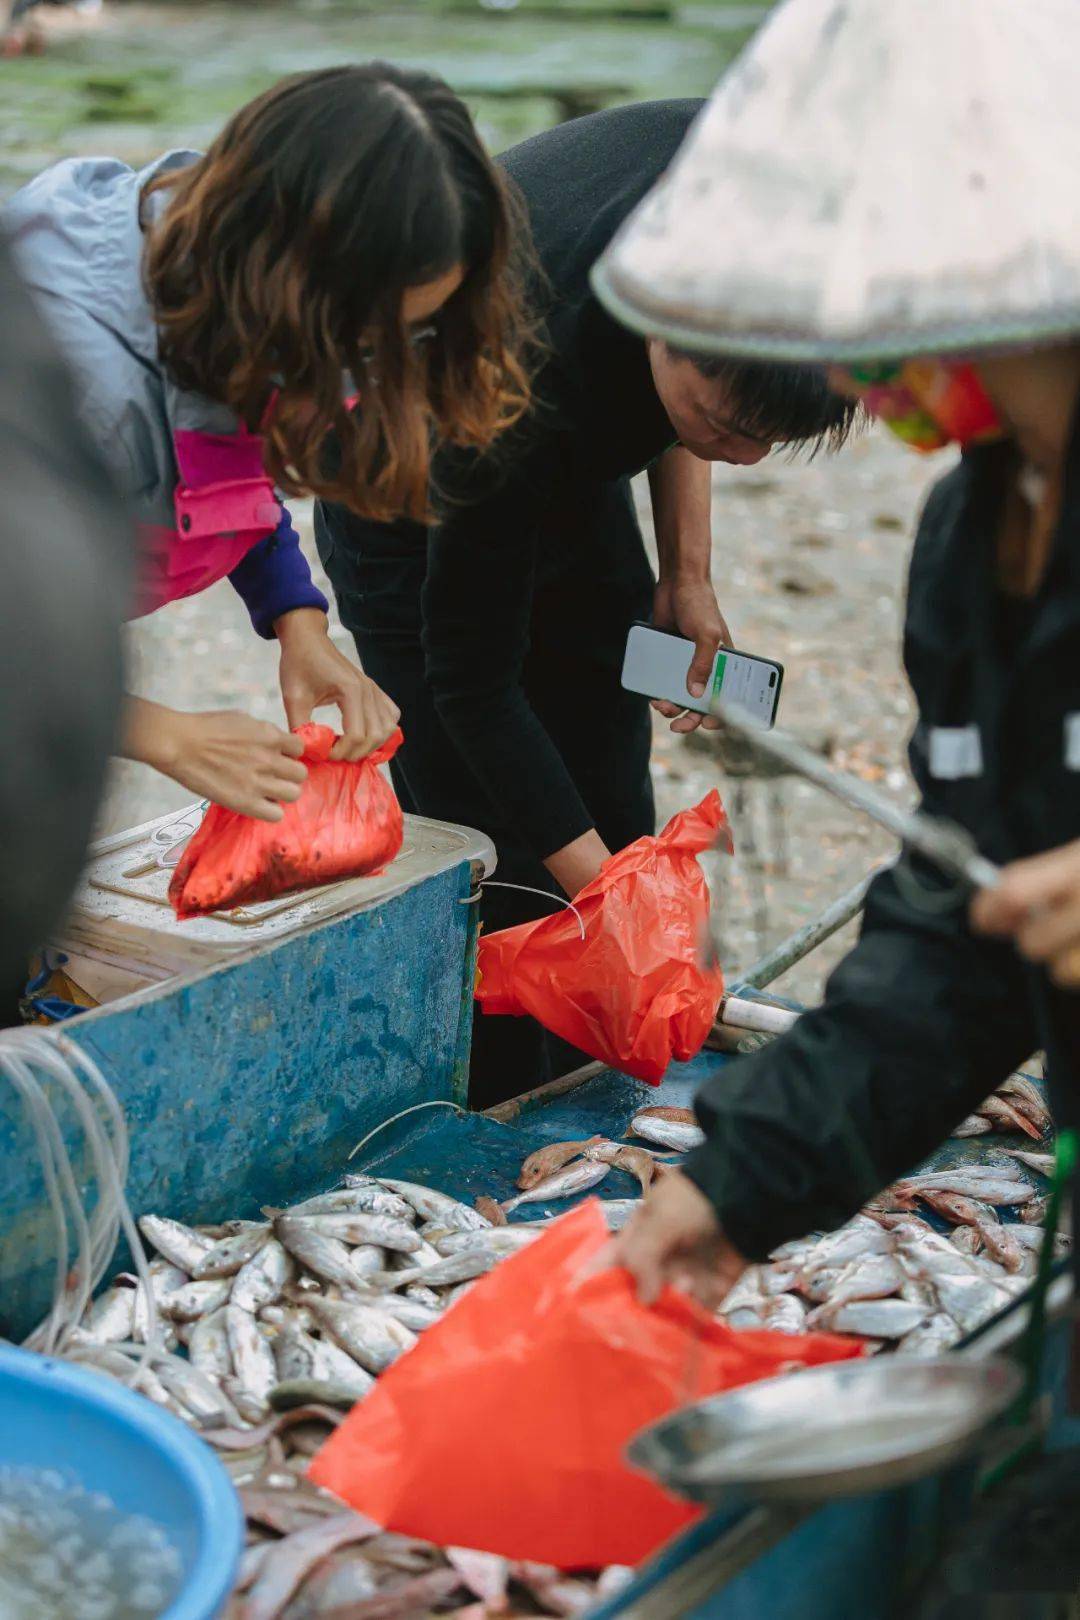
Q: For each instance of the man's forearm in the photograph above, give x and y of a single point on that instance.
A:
(680, 485)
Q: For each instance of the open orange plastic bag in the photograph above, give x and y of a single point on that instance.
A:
(346, 823)
(635, 992)
(504, 1429)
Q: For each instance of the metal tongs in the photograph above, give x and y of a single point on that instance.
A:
(941, 842)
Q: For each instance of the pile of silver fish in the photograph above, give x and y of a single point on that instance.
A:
(269, 1331)
(895, 1280)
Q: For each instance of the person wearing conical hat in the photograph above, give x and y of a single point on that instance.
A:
(891, 204)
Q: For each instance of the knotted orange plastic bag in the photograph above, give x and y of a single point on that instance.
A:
(635, 992)
(346, 823)
(505, 1428)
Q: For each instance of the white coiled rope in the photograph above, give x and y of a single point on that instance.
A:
(45, 1068)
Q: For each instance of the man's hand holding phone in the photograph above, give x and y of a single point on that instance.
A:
(689, 608)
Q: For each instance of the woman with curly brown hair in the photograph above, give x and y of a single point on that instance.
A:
(308, 307)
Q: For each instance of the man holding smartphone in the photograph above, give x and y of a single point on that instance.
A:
(500, 633)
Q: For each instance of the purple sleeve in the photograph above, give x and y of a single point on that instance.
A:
(274, 578)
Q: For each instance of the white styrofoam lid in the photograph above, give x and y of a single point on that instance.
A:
(123, 894)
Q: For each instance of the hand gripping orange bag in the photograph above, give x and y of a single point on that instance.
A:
(346, 823)
(505, 1428)
(635, 992)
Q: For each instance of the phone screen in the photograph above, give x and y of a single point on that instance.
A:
(748, 682)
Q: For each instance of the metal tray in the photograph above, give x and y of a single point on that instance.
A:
(840, 1430)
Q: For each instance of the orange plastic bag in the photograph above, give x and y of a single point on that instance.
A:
(505, 1428)
(635, 992)
(346, 823)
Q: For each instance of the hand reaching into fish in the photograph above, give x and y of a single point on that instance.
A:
(676, 1238)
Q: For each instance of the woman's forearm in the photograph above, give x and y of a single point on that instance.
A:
(148, 734)
(577, 863)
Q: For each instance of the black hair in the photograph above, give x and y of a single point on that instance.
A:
(774, 399)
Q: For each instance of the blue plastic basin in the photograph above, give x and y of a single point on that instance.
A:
(55, 1415)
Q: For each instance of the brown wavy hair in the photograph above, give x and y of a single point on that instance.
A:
(277, 262)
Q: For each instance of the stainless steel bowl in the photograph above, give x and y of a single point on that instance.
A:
(839, 1430)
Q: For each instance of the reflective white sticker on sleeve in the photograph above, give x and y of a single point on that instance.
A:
(955, 752)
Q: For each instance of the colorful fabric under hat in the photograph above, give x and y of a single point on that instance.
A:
(927, 403)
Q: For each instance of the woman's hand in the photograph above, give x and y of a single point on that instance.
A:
(675, 1237)
(689, 607)
(1037, 903)
(243, 764)
(313, 672)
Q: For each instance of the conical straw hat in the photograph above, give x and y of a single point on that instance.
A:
(872, 178)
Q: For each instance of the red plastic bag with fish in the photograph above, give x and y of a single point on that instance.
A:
(635, 991)
(505, 1428)
(346, 823)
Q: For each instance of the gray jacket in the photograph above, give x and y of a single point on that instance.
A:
(191, 474)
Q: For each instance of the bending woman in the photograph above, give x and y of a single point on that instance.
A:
(305, 308)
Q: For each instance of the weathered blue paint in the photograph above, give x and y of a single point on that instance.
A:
(249, 1084)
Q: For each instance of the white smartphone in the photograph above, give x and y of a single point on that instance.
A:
(658, 662)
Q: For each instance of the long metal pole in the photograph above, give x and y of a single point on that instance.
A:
(948, 846)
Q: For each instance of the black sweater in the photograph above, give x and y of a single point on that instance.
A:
(597, 417)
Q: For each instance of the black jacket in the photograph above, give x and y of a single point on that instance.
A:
(924, 1019)
(519, 521)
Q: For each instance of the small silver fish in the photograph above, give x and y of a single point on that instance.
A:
(410, 1312)
(176, 1242)
(669, 1133)
(251, 1354)
(507, 1238)
(456, 1268)
(367, 1258)
(970, 1300)
(1041, 1162)
(424, 1296)
(261, 1279)
(380, 1230)
(785, 1314)
(436, 1206)
(565, 1183)
(208, 1346)
(110, 1317)
(937, 1334)
(872, 1276)
(195, 1299)
(227, 1256)
(747, 1293)
(818, 1285)
(327, 1257)
(860, 1236)
(368, 1199)
(869, 1318)
(994, 1187)
(373, 1337)
(974, 1125)
(210, 1408)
